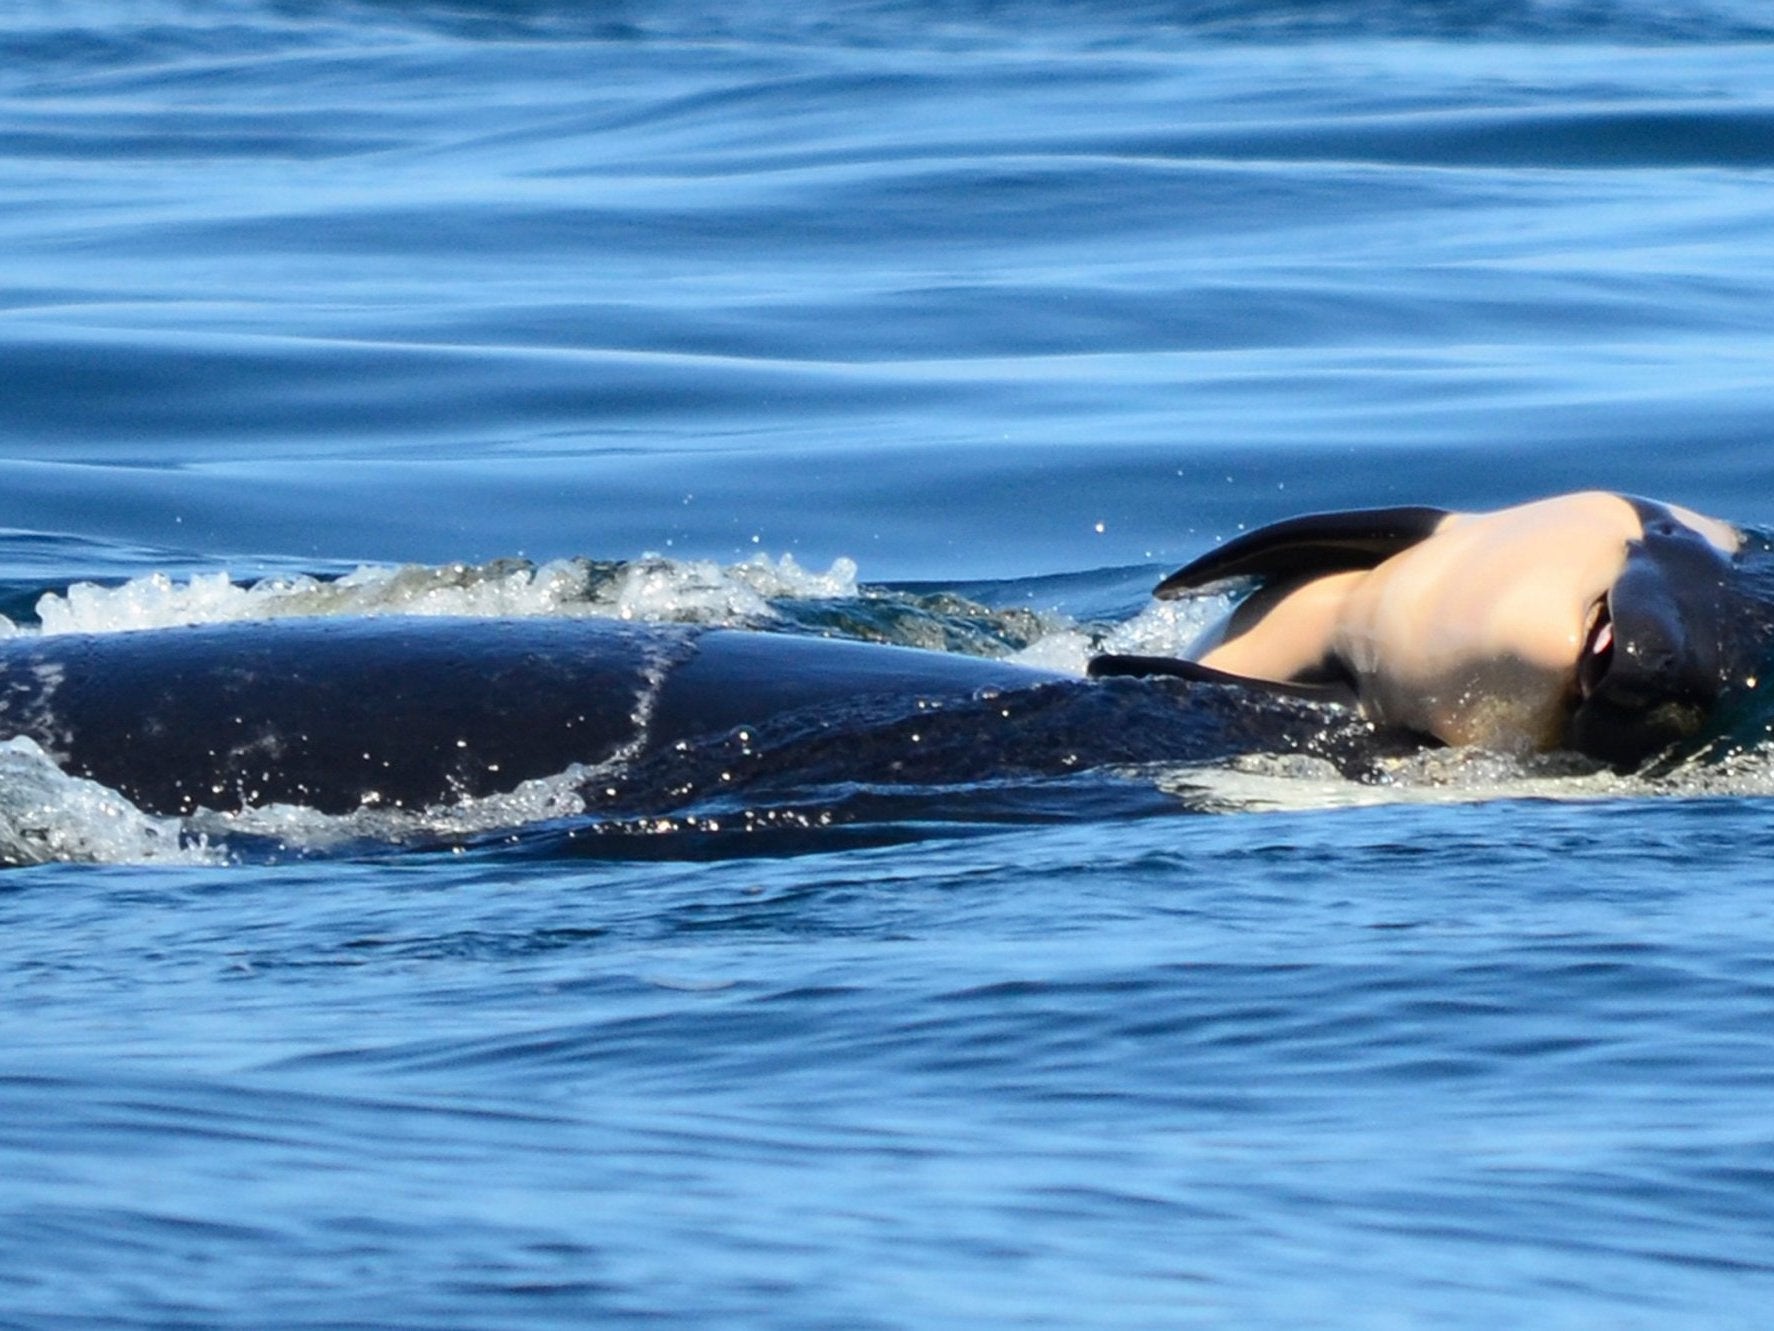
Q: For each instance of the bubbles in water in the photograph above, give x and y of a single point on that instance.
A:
(1294, 782)
(1163, 628)
(296, 828)
(47, 815)
(653, 590)
(703, 592)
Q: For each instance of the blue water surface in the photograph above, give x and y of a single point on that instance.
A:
(1025, 301)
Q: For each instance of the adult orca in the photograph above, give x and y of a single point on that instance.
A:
(1594, 622)
(1597, 622)
(416, 712)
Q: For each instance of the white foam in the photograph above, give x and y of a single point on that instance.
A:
(651, 590)
(158, 601)
(297, 828)
(47, 815)
(1255, 783)
(499, 590)
(1163, 628)
(703, 592)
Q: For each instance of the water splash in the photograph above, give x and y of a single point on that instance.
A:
(274, 830)
(660, 590)
(1164, 628)
(47, 815)
(1259, 783)
(651, 589)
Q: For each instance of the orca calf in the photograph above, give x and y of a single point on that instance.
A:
(1596, 622)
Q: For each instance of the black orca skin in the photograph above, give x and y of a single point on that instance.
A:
(335, 713)
(414, 712)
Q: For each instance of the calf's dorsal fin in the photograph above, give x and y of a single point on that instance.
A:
(1308, 546)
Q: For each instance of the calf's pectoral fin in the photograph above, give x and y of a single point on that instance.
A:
(1306, 547)
(1172, 667)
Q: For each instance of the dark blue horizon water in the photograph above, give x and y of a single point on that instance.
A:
(1014, 305)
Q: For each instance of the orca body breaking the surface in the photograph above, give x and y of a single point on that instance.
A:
(1596, 622)
(412, 712)
(1592, 622)
(338, 714)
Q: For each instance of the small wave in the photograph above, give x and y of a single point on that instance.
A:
(159, 601)
(1164, 628)
(654, 590)
(1270, 782)
(734, 595)
(760, 592)
(1290, 783)
(1036, 22)
(47, 815)
(274, 830)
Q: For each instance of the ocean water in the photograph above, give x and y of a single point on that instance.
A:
(950, 326)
